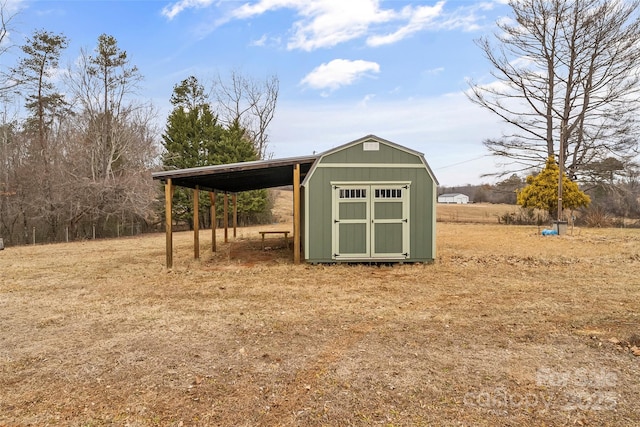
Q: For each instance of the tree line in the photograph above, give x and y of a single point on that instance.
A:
(77, 144)
(616, 200)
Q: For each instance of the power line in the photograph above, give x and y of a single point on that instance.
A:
(463, 162)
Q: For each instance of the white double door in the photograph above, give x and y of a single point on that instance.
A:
(370, 220)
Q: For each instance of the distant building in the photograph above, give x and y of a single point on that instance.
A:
(456, 198)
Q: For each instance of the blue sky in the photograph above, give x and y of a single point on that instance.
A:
(347, 68)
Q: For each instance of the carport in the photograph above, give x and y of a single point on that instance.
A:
(231, 179)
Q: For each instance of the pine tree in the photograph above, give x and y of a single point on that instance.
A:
(236, 147)
(541, 191)
(194, 137)
(193, 132)
(34, 73)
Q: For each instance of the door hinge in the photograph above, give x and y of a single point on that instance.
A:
(406, 255)
(405, 220)
(335, 221)
(406, 187)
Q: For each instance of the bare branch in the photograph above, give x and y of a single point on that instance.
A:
(249, 102)
(567, 79)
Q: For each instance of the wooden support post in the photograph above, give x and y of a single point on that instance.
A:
(234, 198)
(296, 214)
(168, 196)
(225, 219)
(212, 198)
(196, 223)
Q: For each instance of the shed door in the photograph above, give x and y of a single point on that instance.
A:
(390, 221)
(370, 221)
(351, 222)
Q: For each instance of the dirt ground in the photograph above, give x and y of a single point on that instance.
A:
(505, 328)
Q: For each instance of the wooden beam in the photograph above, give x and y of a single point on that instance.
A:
(212, 198)
(196, 223)
(235, 213)
(225, 219)
(168, 196)
(296, 214)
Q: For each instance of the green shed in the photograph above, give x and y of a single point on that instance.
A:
(369, 200)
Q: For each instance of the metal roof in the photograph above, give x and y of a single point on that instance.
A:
(452, 195)
(236, 177)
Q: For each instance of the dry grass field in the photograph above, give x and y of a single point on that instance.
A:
(473, 212)
(478, 213)
(506, 328)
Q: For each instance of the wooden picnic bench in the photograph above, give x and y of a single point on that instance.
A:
(285, 233)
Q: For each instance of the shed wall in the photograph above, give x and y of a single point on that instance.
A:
(385, 154)
(318, 199)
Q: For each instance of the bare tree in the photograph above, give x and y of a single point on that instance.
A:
(78, 161)
(102, 86)
(113, 143)
(567, 83)
(249, 102)
(7, 15)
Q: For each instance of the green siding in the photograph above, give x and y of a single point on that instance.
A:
(303, 228)
(319, 217)
(421, 206)
(386, 154)
(422, 219)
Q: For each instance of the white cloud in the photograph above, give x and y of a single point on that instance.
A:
(366, 99)
(322, 23)
(266, 40)
(260, 42)
(339, 72)
(433, 71)
(469, 18)
(333, 22)
(327, 23)
(172, 10)
(249, 10)
(419, 18)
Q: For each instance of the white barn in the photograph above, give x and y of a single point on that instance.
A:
(456, 198)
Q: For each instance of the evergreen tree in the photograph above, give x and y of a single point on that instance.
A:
(236, 147)
(193, 137)
(541, 191)
(193, 134)
(190, 140)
